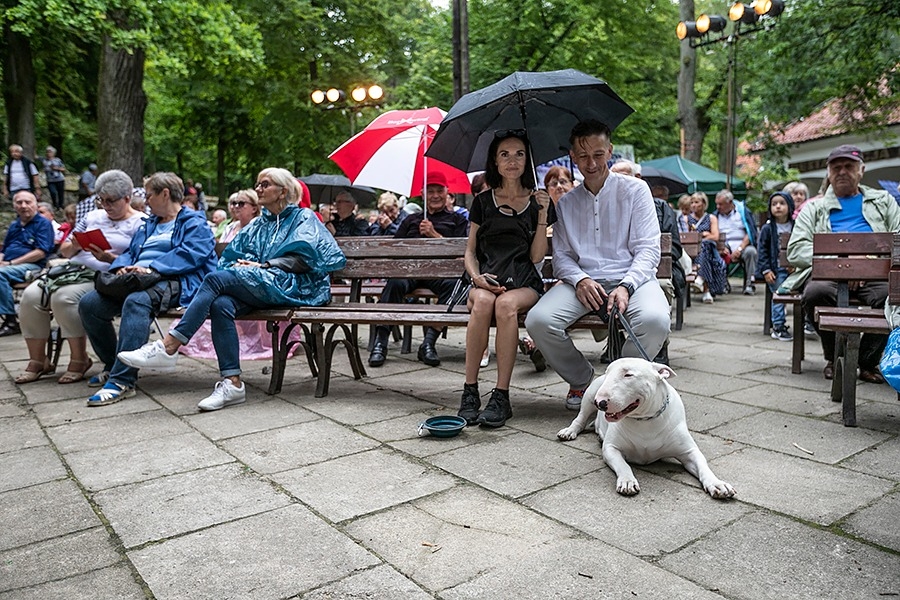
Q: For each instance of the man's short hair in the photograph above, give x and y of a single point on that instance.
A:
(659, 191)
(587, 128)
(726, 195)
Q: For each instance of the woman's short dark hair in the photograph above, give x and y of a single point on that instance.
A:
(160, 181)
(492, 172)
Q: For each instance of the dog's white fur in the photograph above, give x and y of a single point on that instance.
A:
(632, 390)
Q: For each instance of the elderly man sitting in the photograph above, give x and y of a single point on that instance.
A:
(736, 222)
(28, 242)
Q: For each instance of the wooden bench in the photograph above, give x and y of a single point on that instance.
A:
(337, 324)
(846, 257)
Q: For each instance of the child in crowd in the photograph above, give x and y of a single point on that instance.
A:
(781, 220)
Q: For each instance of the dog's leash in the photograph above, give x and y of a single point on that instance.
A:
(627, 326)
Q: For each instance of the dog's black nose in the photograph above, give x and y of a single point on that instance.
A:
(602, 404)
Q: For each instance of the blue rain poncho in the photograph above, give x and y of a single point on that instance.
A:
(294, 231)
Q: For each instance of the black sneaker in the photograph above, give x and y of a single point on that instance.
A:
(782, 334)
(470, 404)
(428, 355)
(10, 329)
(497, 411)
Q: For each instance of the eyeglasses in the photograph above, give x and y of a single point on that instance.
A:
(264, 185)
(107, 201)
(238, 203)
(519, 133)
(556, 182)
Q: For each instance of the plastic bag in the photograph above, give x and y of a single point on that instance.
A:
(890, 360)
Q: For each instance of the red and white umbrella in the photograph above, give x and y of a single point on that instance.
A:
(389, 153)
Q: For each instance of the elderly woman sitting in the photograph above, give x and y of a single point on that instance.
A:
(282, 258)
(118, 222)
(175, 243)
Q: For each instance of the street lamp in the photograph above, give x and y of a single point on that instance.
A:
(362, 96)
(747, 19)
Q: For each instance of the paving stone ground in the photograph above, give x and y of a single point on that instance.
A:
(292, 496)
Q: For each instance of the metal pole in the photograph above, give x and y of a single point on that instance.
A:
(731, 147)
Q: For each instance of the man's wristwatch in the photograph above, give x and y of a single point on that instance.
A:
(628, 288)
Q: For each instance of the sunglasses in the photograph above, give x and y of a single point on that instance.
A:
(557, 182)
(264, 185)
(238, 204)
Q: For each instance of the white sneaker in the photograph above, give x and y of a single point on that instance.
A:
(225, 394)
(707, 298)
(697, 284)
(150, 356)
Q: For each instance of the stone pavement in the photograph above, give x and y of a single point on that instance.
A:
(297, 497)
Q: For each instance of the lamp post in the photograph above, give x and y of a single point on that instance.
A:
(360, 97)
(711, 29)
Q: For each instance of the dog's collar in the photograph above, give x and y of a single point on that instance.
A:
(659, 412)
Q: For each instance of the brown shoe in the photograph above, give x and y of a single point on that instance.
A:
(871, 376)
(828, 371)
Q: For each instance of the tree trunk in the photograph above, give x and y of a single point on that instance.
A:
(120, 111)
(19, 90)
(460, 49)
(689, 114)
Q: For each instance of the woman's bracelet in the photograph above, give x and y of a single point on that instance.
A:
(542, 225)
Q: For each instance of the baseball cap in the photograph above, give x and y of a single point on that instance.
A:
(845, 151)
(92, 167)
(436, 178)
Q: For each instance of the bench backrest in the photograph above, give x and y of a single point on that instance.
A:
(690, 242)
(783, 239)
(414, 258)
(845, 257)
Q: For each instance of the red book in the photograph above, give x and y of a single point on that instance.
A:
(94, 236)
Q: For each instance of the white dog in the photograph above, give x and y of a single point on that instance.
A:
(644, 422)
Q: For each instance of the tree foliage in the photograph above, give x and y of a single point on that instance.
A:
(227, 84)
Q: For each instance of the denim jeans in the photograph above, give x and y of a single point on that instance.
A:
(221, 297)
(778, 315)
(97, 313)
(8, 276)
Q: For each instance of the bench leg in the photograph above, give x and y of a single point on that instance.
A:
(847, 383)
(798, 346)
(325, 345)
(679, 310)
(54, 346)
(767, 312)
(406, 347)
(281, 349)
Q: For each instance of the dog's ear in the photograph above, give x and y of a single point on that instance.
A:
(664, 370)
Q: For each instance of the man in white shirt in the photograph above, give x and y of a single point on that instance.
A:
(736, 222)
(20, 174)
(605, 253)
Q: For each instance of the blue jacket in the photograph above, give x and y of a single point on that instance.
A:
(191, 258)
(294, 232)
(769, 245)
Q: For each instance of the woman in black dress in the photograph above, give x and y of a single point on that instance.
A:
(507, 238)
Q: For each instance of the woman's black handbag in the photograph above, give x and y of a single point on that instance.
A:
(120, 285)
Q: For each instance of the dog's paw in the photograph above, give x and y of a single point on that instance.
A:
(627, 487)
(569, 433)
(719, 489)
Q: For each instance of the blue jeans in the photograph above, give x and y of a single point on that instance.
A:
(221, 297)
(97, 313)
(8, 276)
(778, 315)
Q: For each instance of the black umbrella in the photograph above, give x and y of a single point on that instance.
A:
(654, 176)
(546, 105)
(323, 189)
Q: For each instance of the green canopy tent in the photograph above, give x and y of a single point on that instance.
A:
(698, 178)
